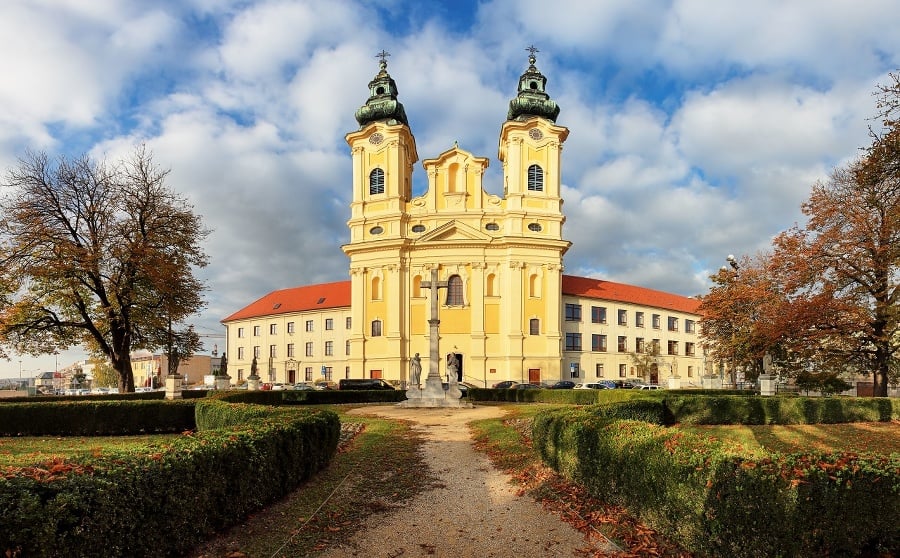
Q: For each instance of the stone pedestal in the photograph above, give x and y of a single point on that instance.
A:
(223, 382)
(711, 382)
(767, 384)
(674, 382)
(253, 383)
(173, 387)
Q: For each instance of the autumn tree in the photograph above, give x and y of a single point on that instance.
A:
(842, 270)
(96, 254)
(739, 326)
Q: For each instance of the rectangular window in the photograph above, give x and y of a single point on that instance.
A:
(347, 347)
(575, 369)
(573, 312)
(329, 324)
(290, 350)
(240, 353)
(689, 349)
(309, 348)
(690, 326)
(598, 342)
(655, 321)
(623, 370)
(255, 331)
(256, 351)
(347, 372)
(573, 341)
(240, 377)
(598, 370)
(598, 314)
(273, 329)
(307, 374)
(673, 347)
(690, 371)
(639, 345)
(272, 353)
(623, 317)
(673, 323)
(623, 344)
(349, 322)
(329, 348)
(240, 332)
(534, 326)
(309, 325)
(327, 372)
(290, 327)
(655, 346)
(639, 319)
(376, 328)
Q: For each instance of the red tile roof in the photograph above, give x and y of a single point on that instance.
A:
(337, 295)
(297, 299)
(620, 292)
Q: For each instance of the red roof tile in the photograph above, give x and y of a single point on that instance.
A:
(297, 299)
(620, 292)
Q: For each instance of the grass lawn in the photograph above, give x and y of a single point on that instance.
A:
(856, 437)
(33, 450)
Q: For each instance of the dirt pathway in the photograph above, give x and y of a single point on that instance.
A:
(474, 512)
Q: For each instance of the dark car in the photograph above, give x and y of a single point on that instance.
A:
(363, 384)
(525, 386)
(506, 384)
(563, 384)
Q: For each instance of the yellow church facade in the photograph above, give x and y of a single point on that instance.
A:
(494, 262)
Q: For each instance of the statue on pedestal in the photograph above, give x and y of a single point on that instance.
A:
(415, 371)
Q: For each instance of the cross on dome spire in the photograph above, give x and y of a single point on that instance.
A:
(383, 55)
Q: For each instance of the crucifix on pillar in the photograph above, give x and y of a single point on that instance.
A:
(434, 324)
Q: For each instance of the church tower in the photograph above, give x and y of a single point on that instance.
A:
(497, 259)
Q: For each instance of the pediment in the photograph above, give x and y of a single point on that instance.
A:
(454, 231)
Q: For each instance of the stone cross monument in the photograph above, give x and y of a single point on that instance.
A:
(433, 394)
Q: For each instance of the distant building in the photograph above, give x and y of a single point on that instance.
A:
(506, 309)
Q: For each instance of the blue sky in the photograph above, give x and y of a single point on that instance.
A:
(697, 127)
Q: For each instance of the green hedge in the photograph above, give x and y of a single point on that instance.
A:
(166, 498)
(564, 396)
(722, 504)
(95, 418)
(730, 409)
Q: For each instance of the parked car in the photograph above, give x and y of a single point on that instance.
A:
(647, 386)
(525, 386)
(324, 385)
(591, 385)
(302, 387)
(363, 383)
(563, 384)
(506, 384)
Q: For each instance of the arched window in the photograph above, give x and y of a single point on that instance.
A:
(376, 288)
(376, 181)
(534, 285)
(454, 291)
(490, 286)
(376, 328)
(417, 287)
(535, 178)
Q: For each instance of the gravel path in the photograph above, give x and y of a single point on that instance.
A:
(473, 512)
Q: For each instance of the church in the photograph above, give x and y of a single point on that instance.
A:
(505, 308)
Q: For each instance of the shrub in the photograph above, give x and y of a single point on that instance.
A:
(719, 503)
(95, 418)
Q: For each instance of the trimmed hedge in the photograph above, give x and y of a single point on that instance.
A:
(731, 409)
(716, 502)
(165, 498)
(565, 396)
(95, 418)
(311, 397)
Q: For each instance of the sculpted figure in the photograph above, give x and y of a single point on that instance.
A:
(415, 371)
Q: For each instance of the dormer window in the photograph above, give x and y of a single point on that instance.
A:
(535, 179)
(376, 182)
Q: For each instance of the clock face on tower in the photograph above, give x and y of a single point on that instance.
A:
(376, 138)
(535, 134)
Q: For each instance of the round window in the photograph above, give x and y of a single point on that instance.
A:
(376, 230)
(376, 138)
(535, 134)
(492, 227)
(534, 227)
(418, 228)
